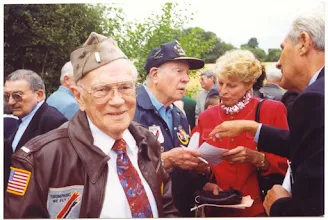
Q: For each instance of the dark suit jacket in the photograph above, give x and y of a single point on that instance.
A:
(45, 119)
(304, 146)
(10, 125)
(288, 99)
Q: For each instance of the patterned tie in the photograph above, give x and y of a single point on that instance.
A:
(131, 183)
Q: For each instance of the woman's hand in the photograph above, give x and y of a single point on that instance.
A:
(243, 154)
(212, 187)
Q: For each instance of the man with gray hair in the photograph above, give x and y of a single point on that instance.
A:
(24, 92)
(302, 63)
(100, 164)
(63, 98)
(208, 82)
(271, 89)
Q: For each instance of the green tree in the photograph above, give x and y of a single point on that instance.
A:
(138, 39)
(220, 47)
(273, 55)
(253, 46)
(41, 37)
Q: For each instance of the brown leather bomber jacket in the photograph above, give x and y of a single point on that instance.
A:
(68, 174)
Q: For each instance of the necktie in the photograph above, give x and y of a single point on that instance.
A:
(131, 183)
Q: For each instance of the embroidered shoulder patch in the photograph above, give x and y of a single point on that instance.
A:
(65, 202)
(18, 181)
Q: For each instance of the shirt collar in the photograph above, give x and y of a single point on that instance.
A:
(32, 113)
(154, 101)
(65, 89)
(99, 138)
(315, 76)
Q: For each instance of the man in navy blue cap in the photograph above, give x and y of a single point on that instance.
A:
(166, 82)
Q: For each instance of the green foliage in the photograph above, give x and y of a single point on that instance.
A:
(41, 37)
(193, 91)
(273, 55)
(218, 50)
(252, 45)
(138, 39)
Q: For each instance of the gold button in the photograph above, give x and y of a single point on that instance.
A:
(232, 140)
(232, 118)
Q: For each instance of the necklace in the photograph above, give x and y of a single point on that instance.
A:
(238, 106)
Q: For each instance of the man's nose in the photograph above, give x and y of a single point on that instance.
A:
(116, 98)
(11, 101)
(278, 65)
(185, 78)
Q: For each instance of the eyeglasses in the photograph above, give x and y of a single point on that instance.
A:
(16, 96)
(100, 94)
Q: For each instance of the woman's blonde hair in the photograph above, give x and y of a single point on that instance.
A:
(239, 63)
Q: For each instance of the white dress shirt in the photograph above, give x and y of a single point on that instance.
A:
(22, 127)
(115, 202)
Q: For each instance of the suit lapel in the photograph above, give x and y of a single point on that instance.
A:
(31, 129)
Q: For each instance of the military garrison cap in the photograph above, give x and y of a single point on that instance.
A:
(97, 51)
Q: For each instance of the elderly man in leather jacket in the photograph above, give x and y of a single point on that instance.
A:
(100, 163)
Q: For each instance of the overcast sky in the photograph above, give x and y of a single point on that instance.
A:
(234, 21)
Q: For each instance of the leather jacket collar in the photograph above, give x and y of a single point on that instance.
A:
(92, 157)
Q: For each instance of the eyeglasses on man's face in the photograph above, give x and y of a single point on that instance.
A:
(101, 93)
(17, 96)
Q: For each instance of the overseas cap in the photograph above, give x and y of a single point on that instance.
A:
(168, 52)
(97, 51)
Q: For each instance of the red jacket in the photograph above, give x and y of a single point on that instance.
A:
(244, 176)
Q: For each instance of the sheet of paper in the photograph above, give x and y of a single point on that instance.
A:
(211, 154)
(287, 180)
(246, 201)
(194, 141)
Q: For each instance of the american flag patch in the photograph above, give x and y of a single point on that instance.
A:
(18, 181)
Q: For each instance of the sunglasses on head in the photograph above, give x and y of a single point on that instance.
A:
(16, 96)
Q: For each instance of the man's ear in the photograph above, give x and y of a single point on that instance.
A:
(305, 43)
(41, 95)
(78, 96)
(66, 81)
(153, 75)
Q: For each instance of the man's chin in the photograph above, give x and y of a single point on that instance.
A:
(17, 113)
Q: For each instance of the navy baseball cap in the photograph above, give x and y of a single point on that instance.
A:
(169, 52)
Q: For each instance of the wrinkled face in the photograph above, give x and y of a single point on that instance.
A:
(231, 90)
(111, 104)
(26, 98)
(172, 79)
(206, 82)
(287, 63)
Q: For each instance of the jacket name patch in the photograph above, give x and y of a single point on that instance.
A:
(65, 202)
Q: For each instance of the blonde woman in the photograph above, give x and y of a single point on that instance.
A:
(237, 71)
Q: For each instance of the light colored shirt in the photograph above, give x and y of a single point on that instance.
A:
(315, 76)
(22, 127)
(116, 204)
(313, 79)
(200, 102)
(64, 101)
(165, 113)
